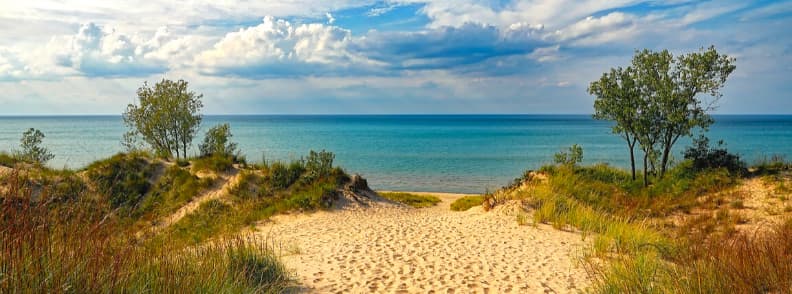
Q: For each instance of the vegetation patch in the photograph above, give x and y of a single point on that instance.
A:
(466, 202)
(123, 179)
(414, 200)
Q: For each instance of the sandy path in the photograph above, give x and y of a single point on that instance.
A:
(432, 250)
(228, 180)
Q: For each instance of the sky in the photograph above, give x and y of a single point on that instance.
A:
(375, 57)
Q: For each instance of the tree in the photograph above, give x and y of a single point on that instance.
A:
(166, 118)
(618, 99)
(689, 75)
(656, 100)
(216, 142)
(32, 151)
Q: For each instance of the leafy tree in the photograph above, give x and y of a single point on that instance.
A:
(32, 151)
(656, 100)
(216, 141)
(674, 85)
(618, 98)
(571, 157)
(166, 118)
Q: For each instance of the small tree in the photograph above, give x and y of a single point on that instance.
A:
(216, 142)
(166, 118)
(618, 98)
(32, 151)
(571, 157)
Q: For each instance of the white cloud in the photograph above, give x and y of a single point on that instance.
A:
(330, 18)
(277, 47)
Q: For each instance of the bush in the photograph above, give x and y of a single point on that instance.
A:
(319, 164)
(32, 151)
(571, 157)
(705, 157)
(283, 176)
(216, 142)
(123, 179)
(417, 201)
(466, 202)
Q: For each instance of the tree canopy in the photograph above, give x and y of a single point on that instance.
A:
(658, 99)
(166, 118)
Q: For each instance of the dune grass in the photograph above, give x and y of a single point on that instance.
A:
(637, 250)
(414, 200)
(76, 246)
(466, 202)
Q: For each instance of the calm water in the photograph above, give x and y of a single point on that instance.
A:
(460, 153)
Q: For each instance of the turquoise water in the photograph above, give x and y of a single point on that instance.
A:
(454, 153)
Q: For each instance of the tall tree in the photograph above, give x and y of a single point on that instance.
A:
(166, 118)
(617, 98)
(657, 100)
(690, 76)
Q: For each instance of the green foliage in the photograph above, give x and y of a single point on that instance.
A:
(618, 98)
(283, 176)
(705, 157)
(216, 163)
(123, 179)
(8, 160)
(572, 156)
(166, 118)
(655, 101)
(32, 151)
(79, 246)
(319, 164)
(414, 200)
(174, 189)
(772, 165)
(216, 142)
(466, 202)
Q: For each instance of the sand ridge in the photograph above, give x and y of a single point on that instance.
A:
(431, 250)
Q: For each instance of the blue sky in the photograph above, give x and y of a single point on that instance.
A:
(359, 56)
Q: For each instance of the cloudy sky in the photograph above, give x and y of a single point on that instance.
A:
(359, 56)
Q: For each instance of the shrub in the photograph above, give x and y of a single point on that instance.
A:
(319, 164)
(705, 157)
(571, 157)
(32, 151)
(216, 142)
(283, 176)
(417, 201)
(466, 202)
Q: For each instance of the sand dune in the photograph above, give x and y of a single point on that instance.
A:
(389, 248)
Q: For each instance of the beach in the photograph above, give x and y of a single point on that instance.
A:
(390, 248)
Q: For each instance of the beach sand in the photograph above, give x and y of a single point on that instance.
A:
(391, 248)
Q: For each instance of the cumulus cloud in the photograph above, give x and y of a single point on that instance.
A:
(95, 51)
(277, 47)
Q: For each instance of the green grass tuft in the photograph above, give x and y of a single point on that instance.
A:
(466, 202)
(414, 200)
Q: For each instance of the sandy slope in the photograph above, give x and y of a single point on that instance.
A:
(387, 248)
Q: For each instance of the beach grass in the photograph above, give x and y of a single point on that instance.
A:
(466, 202)
(414, 200)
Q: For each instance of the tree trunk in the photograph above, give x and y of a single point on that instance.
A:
(646, 170)
(632, 162)
(664, 161)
